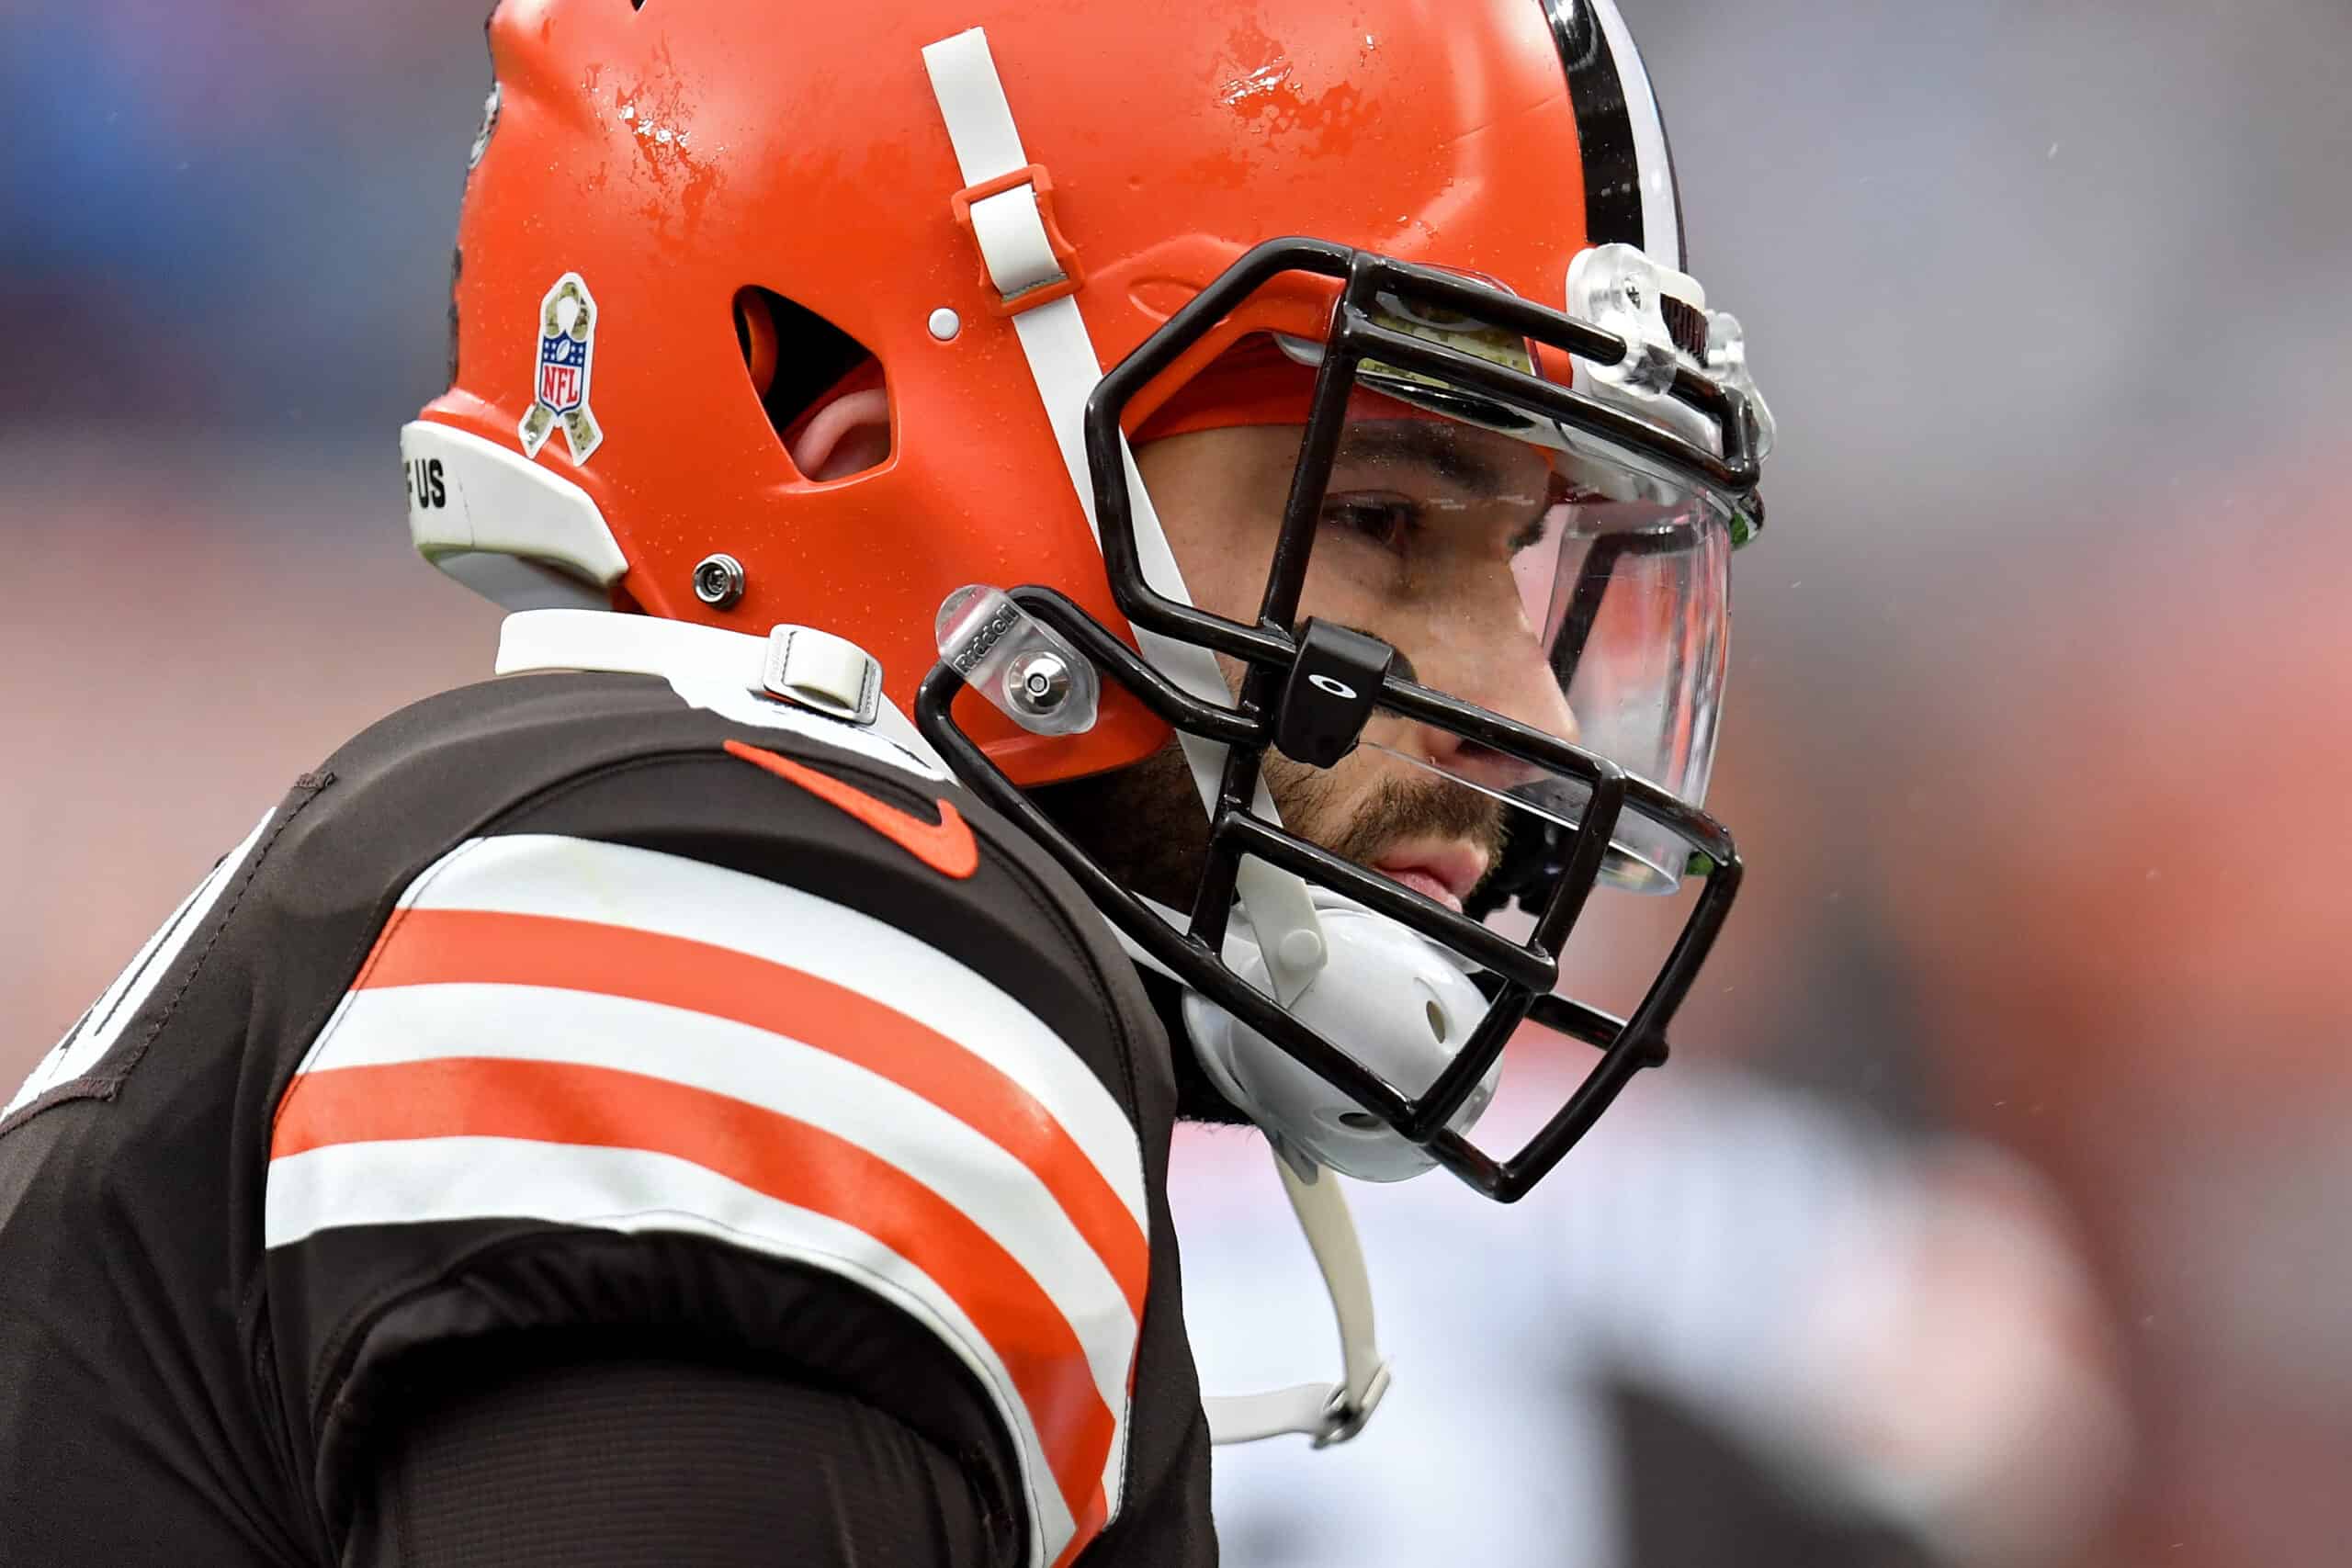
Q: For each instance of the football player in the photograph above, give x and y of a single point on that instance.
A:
(1064, 557)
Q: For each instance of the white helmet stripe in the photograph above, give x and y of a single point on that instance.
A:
(1630, 195)
(1661, 208)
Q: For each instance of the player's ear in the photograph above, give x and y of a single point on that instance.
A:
(824, 392)
(845, 435)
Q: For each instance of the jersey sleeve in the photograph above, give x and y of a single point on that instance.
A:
(621, 1464)
(809, 1073)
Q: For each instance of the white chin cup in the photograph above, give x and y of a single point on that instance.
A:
(1398, 1003)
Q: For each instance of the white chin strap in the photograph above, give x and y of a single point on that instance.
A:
(1011, 230)
(1328, 1412)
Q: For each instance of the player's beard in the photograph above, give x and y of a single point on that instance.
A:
(1145, 825)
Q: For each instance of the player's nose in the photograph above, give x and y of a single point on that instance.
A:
(1507, 675)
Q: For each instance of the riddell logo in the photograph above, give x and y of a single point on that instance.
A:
(977, 646)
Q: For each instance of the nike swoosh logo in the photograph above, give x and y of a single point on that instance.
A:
(946, 846)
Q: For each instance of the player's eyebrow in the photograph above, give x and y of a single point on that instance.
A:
(1430, 444)
(1425, 442)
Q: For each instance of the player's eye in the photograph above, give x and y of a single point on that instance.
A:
(1385, 520)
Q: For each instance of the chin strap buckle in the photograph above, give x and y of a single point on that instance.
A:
(1329, 1412)
(1007, 202)
(1025, 258)
(828, 674)
(1346, 1414)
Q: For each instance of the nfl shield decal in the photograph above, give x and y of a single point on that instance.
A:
(560, 375)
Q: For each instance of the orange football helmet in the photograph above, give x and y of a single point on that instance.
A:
(691, 223)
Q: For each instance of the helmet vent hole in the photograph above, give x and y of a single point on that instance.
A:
(1359, 1121)
(1436, 1015)
(823, 392)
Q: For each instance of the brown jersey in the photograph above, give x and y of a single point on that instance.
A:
(560, 1010)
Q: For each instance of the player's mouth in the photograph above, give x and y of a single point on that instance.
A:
(1444, 869)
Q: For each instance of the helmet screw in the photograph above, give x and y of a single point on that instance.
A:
(1037, 682)
(719, 581)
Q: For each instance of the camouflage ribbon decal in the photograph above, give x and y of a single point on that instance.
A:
(567, 353)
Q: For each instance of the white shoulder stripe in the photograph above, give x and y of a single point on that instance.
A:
(617, 885)
(995, 1191)
(421, 1179)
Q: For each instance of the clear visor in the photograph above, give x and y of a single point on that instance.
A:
(1531, 570)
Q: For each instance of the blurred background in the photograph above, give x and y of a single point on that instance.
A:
(1995, 1208)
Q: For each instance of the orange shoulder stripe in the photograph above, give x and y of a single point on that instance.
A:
(561, 1102)
(423, 947)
